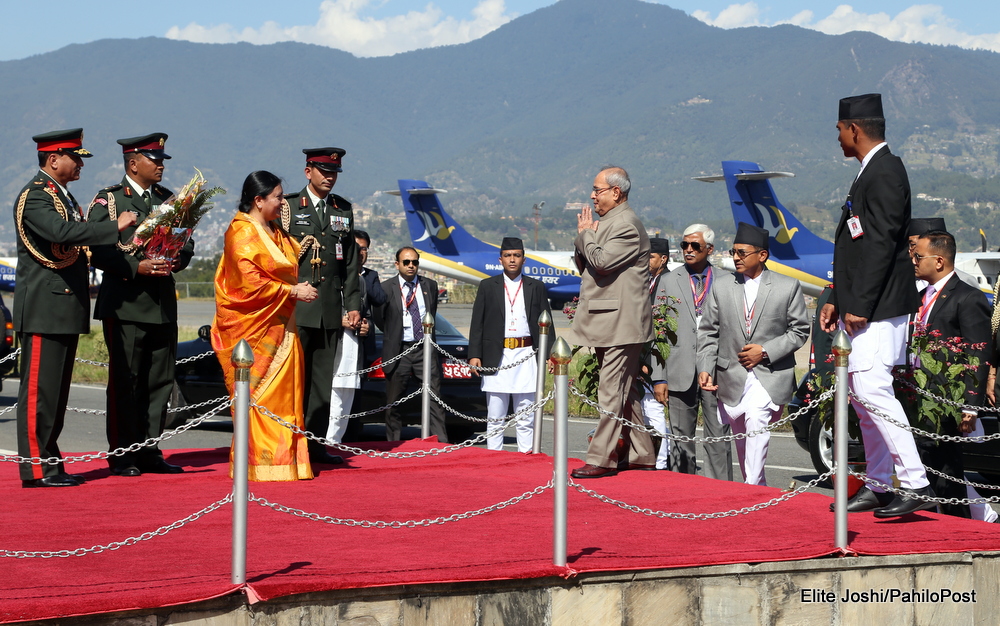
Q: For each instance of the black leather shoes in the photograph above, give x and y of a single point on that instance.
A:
(126, 470)
(161, 467)
(903, 505)
(59, 480)
(79, 479)
(326, 457)
(866, 500)
(593, 471)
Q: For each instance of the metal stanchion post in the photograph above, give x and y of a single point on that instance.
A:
(544, 324)
(841, 350)
(561, 356)
(242, 360)
(425, 406)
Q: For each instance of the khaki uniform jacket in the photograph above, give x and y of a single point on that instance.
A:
(614, 305)
(338, 278)
(52, 291)
(125, 294)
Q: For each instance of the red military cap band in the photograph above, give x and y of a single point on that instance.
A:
(61, 144)
(152, 145)
(333, 159)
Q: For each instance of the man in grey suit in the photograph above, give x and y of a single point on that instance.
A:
(614, 318)
(754, 322)
(691, 286)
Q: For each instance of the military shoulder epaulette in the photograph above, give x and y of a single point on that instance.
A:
(289, 196)
(37, 182)
(112, 188)
(163, 191)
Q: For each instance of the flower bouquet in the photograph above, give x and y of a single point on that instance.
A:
(168, 226)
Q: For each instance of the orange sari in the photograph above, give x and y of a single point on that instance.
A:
(253, 301)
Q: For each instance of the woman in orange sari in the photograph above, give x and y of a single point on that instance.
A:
(255, 294)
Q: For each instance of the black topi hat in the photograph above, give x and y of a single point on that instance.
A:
(863, 107)
(751, 235)
(511, 243)
(920, 225)
(659, 245)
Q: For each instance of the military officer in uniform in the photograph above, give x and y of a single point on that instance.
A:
(138, 305)
(52, 298)
(323, 223)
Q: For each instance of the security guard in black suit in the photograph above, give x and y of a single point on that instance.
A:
(52, 298)
(137, 303)
(323, 223)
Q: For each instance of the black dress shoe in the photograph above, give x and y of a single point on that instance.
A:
(59, 480)
(79, 479)
(866, 500)
(593, 471)
(325, 457)
(902, 505)
(161, 467)
(126, 470)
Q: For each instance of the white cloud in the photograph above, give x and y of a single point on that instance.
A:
(921, 23)
(342, 25)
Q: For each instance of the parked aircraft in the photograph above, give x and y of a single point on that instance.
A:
(8, 273)
(795, 250)
(448, 249)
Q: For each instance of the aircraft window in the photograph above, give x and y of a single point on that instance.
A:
(549, 271)
(531, 270)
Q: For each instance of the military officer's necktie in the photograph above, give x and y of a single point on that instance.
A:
(321, 213)
(414, 310)
(148, 200)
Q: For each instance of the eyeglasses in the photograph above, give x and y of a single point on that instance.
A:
(598, 192)
(406, 262)
(694, 245)
(363, 248)
(742, 253)
(920, 257)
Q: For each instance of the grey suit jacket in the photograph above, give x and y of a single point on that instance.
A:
(614, 264)
(780, 324)
(680, 371)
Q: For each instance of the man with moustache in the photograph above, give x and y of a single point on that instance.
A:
(52, 298)
(692, 285)
(873, 296)
(614, 318)
(753, 322)
(323, 222)
(408, 298)
(503, 329)
(655, 396)
(138, 306)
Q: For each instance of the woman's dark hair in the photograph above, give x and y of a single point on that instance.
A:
(259, 183)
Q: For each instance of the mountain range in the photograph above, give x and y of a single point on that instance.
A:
(524, 114)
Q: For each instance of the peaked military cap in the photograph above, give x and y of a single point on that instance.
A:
(659, 245)
(751, 235)
(920, 225)
(326, 159)
(511, 243)
(149, 145)
(70, 141)
(863, 107)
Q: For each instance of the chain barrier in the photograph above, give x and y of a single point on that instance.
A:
(942, 400)
(131, 541)
(652, 431)
(10, 356)
(912, 496)
(135, 447)
(381, 364)
(702, 516)
(316, 517)
(483, 368)
(403, 455)
(192, 359)
(967, 483)
(923, 433)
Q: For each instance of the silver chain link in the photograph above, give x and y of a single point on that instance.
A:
(135, 447)
(701, 516)
(967, 483)
(316, 517)
(923, 433)
(943, 400)
(381, 364)
(194, 358)
(646, 429)
(912, 496)
(483, 368)
(10, 356)
(114, 545)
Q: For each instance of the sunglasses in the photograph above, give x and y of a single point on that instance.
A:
(694, 245)
(406, 262)
(744, 253)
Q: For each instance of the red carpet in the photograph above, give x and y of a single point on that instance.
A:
(289, 555)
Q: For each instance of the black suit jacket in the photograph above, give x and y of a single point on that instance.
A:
(873, 274)
(486, 331)
(372, 296)
(962, 311)
(389, 316)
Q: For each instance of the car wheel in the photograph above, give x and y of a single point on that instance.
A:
(820, 445)
(176, 401)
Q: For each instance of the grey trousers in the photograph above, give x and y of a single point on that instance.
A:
(683, 409)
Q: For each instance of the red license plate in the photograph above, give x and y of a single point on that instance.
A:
(454, 369)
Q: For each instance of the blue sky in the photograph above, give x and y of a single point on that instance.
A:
(379, 27)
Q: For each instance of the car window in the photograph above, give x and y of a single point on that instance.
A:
(442, 325)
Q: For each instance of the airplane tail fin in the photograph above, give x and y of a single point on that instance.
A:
(431, 229)
(753, 201)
